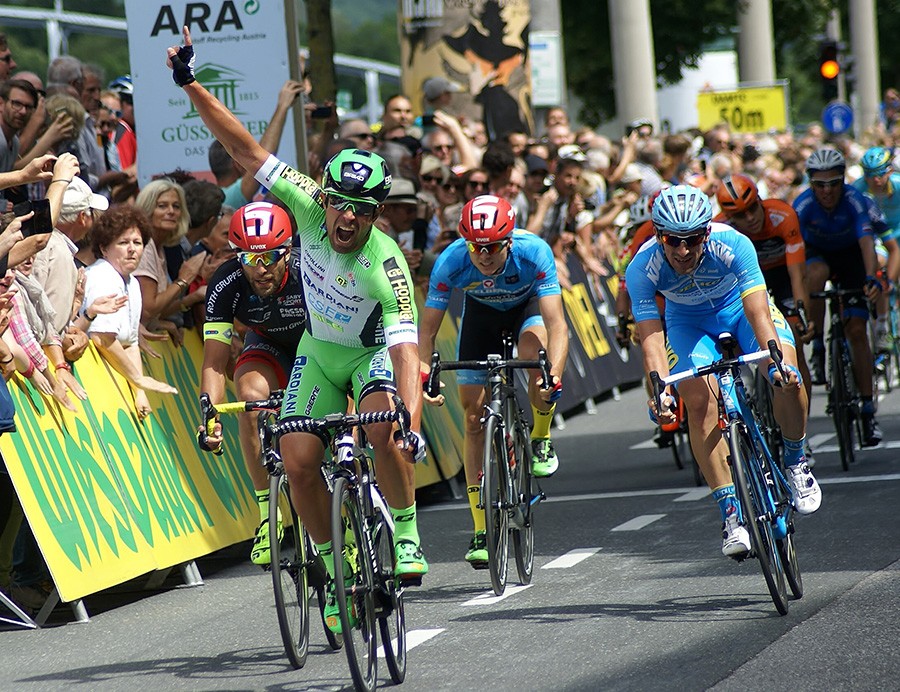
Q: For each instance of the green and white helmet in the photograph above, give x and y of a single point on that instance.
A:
(357, 174)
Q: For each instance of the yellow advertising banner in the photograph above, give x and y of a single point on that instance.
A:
(747, 110)
(110, 498)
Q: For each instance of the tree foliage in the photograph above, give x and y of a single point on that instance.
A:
(682, 29)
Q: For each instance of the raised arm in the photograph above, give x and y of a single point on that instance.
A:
(224, 126)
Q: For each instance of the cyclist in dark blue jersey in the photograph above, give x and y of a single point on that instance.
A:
(837, 229)
(509, 280)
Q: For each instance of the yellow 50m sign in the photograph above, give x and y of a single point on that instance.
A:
(745, 109)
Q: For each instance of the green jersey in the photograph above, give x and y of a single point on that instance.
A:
(363, 299)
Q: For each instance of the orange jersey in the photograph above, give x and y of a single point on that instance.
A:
(779, 243)
(644, 232)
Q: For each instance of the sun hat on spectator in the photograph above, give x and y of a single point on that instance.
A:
(571, 151)
(402, 192)
(79, 197)
(432, 164)
(536, 164)
(435, 86)
(632, 174)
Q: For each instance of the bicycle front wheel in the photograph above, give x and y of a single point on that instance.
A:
(840, 402)
(354, 582)
(527, 495)
(752, 493)
(495, 498)
(389, 602)
(290, 579)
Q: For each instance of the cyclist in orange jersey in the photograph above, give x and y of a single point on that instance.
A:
(774, 229)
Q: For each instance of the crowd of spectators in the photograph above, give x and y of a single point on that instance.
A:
(124, 266)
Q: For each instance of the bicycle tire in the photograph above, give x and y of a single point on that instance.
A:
(788, 553)
(750, 486)
(769, 427)
(680, 447)
(360, 637)
(524, 484)
(840, 404)
(494, 499)
(389, 602)
(290, 579)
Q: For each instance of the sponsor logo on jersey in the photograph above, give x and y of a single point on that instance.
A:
(377, 366)
(312, 400)
(442, 287)
(341, 281)
(514, 279)
(488, 283)
(402, 291)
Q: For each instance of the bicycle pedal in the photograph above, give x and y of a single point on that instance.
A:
(410, 580)
(740, 557)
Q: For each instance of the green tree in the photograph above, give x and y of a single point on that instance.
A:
(681, 31)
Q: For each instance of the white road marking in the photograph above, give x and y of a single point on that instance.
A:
(490, 598)
(828, 449)
(648, 444)
(694, 495)
(818, 439)
(860, 479)
(413, 639)
(638, 523)
(572, 558)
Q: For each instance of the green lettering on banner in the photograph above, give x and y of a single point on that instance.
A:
(137, 497)
(58, 513)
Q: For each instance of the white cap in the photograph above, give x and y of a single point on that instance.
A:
(79, 197)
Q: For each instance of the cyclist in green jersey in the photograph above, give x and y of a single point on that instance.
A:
(361, 322)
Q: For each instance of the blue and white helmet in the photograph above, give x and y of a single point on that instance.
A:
(681, 210)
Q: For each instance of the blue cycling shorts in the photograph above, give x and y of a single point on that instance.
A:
(692, 340)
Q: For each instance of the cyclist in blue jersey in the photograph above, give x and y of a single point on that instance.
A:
(509, 280)
(710, 278)
(837, 230)
(882, 184)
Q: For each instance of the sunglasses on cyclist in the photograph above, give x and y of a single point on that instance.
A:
(487, 248)
(689, 240)
(357, 207)
(268, 258)
(822, 184)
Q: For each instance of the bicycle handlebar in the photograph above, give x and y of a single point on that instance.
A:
(344, 421)
(719, 366)
(493, 362)
(210, 411)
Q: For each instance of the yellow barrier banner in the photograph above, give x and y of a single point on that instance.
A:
(109, 497)
(747, 110)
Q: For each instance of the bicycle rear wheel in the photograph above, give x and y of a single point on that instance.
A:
(354, 585)
(751, 491)
(389, 602)
(788, 554)
(290, 579)
(840, 402)
(495, 497)
(527, 496)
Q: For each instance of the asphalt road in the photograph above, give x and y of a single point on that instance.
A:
(630, 592)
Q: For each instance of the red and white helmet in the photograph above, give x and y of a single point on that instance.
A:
(259, 226)
(487, 219)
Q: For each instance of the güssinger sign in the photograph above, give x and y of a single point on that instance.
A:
(242, 58)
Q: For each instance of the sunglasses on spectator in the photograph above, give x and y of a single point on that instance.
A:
(7, 58)
(822, 184)
(487, 248)
(268, 258)
(448, 147)
(478, 183)
(363, 135)
(676, 240)
(431, 179)
(358, 208)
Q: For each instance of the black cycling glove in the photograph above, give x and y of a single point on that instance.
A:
(183, 66)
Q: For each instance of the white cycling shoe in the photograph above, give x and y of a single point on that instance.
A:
(807, 493)
(735, 539)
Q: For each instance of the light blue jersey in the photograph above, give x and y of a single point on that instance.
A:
(889, 203)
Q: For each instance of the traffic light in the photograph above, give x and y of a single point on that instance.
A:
(829, 69)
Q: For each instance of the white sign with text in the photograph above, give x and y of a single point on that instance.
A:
(241, 50)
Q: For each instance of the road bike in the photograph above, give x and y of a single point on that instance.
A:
(363, 543)
(844, 402)
(509, 492)
(765, 497)
(298, 572)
